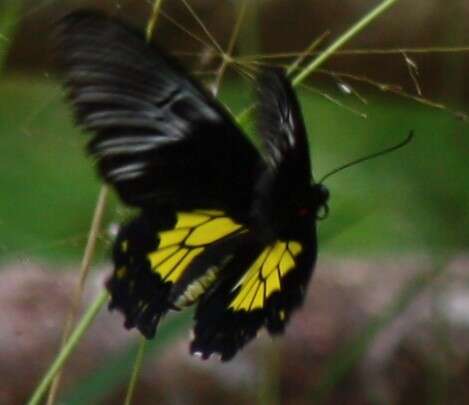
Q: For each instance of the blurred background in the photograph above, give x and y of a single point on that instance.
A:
(387, 314)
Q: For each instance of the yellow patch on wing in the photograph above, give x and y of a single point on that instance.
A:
(160, 255)
(172, 237)
(264, 276)
(184, 263)
(121, 272)
(192, 233)
(211, 231)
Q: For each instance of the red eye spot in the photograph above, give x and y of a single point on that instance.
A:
(303, 211)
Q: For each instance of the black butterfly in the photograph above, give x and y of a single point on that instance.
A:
(220, 223)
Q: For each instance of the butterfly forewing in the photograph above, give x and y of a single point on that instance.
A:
(281, 126)
(159, 137)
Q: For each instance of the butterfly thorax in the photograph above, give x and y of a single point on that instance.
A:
(287, 208)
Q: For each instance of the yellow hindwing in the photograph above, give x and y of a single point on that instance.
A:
(192, 233)
(264, 276)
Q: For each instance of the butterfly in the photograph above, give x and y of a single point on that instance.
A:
(221, 223)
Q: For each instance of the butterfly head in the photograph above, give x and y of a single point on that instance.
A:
(318, 198)
(314, 203)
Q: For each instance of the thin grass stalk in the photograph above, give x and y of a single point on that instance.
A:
(343, 39)
(269, 359)
(229, 51)
(303, 55)
(155, 13)
(84, 271)
(69, 346)
(323, 56)
(199, 21)
(362, 51)
(138, 363)
(113, 371)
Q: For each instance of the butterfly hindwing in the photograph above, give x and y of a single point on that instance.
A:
(167, 260)
(267, 283)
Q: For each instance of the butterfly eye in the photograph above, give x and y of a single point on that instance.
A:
(323, 212)
(303, 212)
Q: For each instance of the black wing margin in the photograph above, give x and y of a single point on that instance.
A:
(159, 137)
(281, 126)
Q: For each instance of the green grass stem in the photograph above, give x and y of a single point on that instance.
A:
(323, 56)
(135, 371)
(343, 39)
(69, 346)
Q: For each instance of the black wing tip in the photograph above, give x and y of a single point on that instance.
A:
(271, 79)
(78, 22)
(271, 72)
(70, 26)
(273, 84)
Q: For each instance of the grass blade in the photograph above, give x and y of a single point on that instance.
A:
(116, 370)
(343, 39)
(69, 346)
(138, 362)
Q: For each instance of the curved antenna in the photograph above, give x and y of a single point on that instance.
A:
(372, 156)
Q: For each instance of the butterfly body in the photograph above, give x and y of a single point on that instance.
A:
(220, 223)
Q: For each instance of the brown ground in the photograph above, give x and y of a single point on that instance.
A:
(421, 354)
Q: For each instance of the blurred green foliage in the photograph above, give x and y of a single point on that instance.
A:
(47, 187)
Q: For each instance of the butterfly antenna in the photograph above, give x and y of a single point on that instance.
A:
(372, 156)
